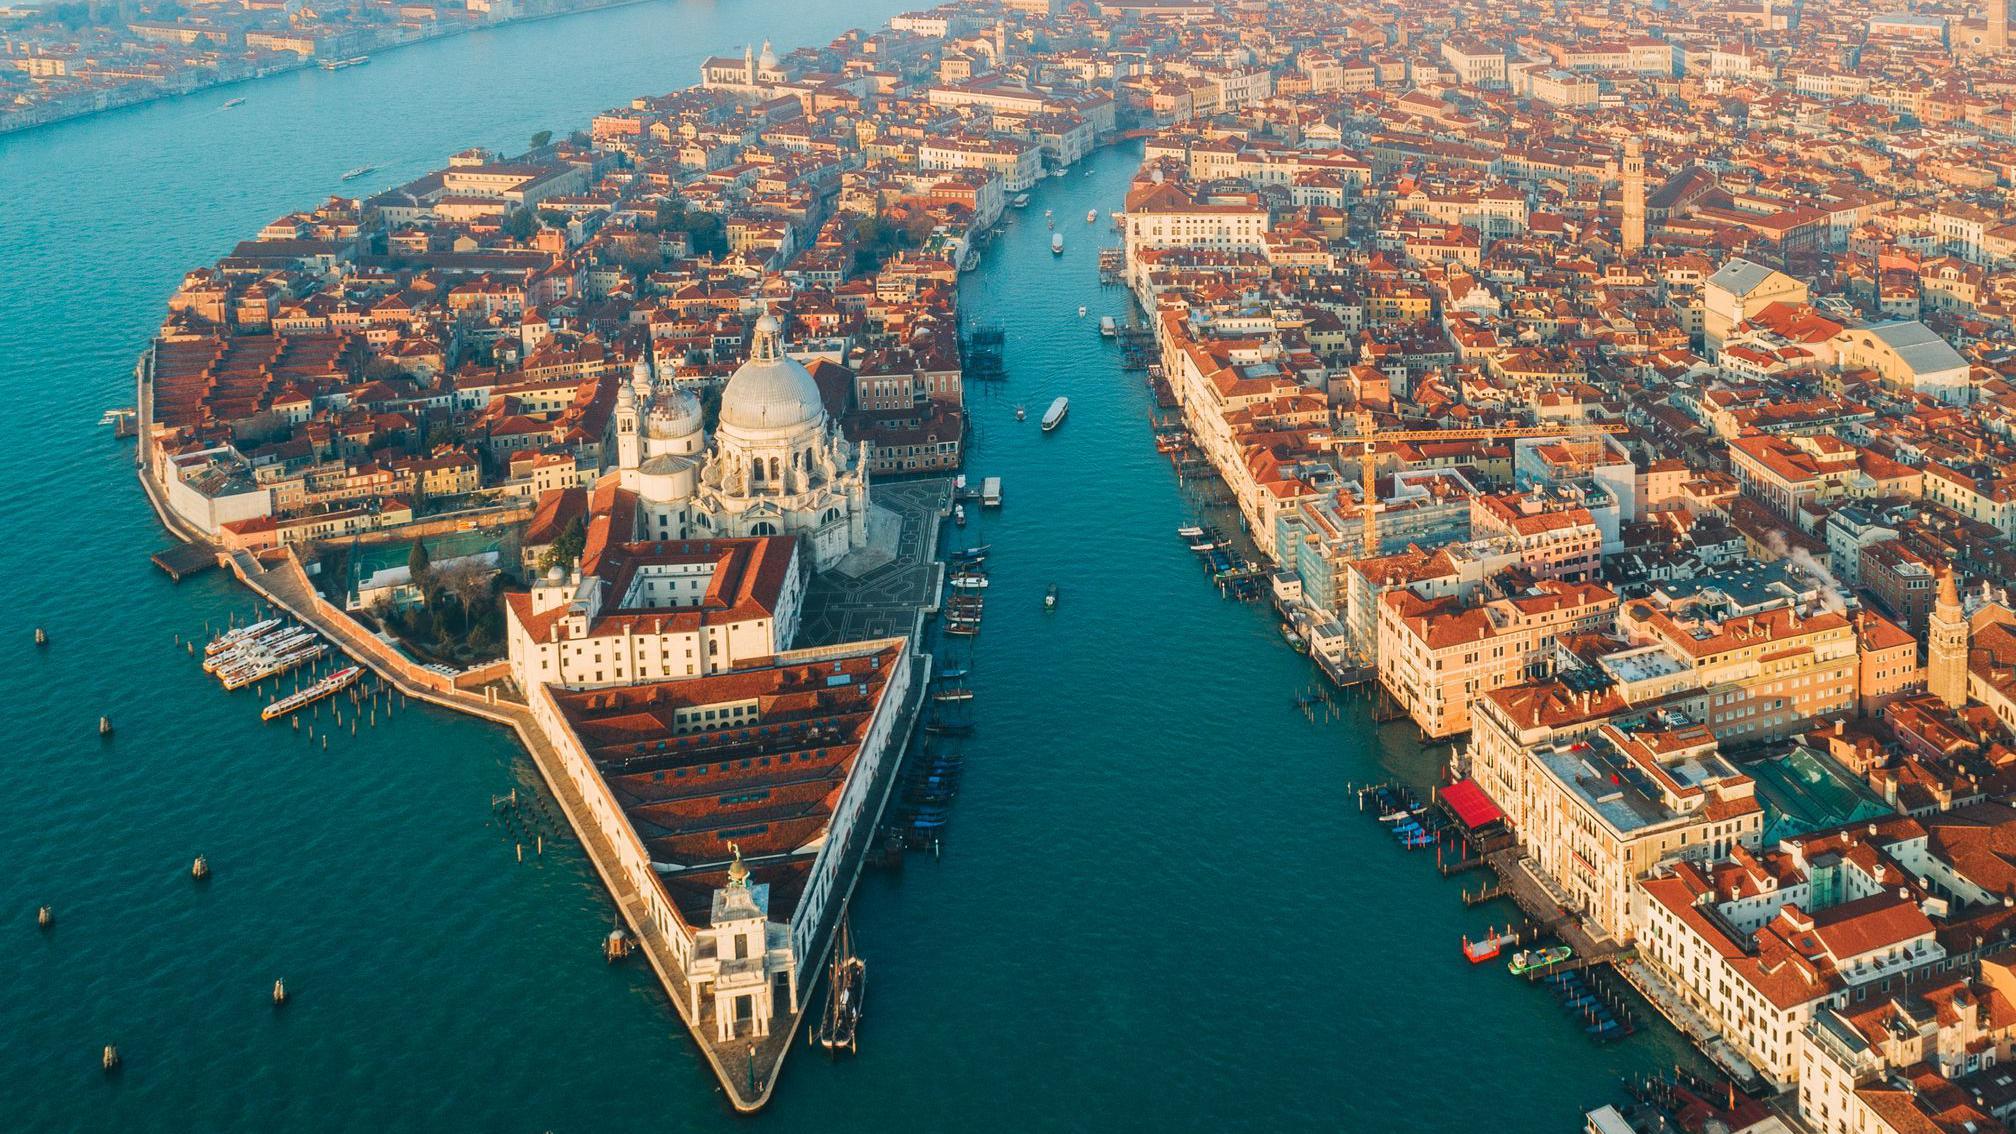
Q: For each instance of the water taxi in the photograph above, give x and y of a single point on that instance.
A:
(959, 514)
(1062, 172)
(1054, 416)
(334, 683)
(1020, 413)
(354, 174)
(1526, 960)
(1056, 244)
(1050, 598)
(1081, 311)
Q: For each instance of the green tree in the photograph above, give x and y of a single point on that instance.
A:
(540, 139)
(553, 218)
(418, 567)
(567, 547)
(521, 225)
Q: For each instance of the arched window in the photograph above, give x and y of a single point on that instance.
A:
(763, 527)
(756, 473)
(776, 472)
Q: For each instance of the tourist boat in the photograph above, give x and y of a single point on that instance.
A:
(231, 102)
(1020, 413)
(1526, 960)
(848, 982)
(231, 638)
(959, 514)
(339, 64)
(1091, 215)
(1020, 201)
(970, 582)
(1050, 598)
(1107, 327)
(1189, 532)
(334, 683)
(1056, 244)
(354, 174)
(1054, 416)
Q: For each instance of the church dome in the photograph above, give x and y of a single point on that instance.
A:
(771, 391)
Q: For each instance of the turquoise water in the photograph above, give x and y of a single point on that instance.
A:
(1156, 906)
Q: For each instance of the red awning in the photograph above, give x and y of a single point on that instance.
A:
(1473, 808)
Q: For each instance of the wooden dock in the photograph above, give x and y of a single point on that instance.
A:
(186, 559)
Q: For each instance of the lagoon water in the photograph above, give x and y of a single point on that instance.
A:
(1157, 907)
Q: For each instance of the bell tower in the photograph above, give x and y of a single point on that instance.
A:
(1946, 645)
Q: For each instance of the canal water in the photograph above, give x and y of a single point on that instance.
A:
(1156, 907)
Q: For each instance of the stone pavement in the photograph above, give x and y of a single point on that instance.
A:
(888, 600)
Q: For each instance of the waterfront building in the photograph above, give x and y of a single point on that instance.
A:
(1601, 811)
(1437, 656)
(733, 800)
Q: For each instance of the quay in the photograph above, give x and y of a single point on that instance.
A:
(182, 560)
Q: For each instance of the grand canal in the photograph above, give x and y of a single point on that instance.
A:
(1156, 908)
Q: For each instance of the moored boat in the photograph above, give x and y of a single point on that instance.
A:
(1019, 201)
(970, 582)
(1526, 960)
(1108, 327)
(334, 683)
(959, 514)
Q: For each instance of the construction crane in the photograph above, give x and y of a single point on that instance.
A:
(1369, 437)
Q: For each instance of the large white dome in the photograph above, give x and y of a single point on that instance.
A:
(770, 391)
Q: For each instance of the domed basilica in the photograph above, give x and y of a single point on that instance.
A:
(777, 464)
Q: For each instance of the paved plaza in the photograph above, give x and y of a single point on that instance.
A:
(888, 598)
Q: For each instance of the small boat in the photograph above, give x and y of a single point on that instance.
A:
(962, 629)
(847, 983)
(959, 514)
(1019, 201)
(972, 554)
(231, 102)
(1058, 172)
(1020, 413)
(1091, 215)
(1107, 327)
(970, 582)
(954, 674)
(1526, 960)
(957, 693)
(1054, 416)
(1190, 532)
(1050, 598)
(1081, 311)
(1047, 214)
(1056, 244)
(354, 174)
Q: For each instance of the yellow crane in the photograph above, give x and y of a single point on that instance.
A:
(1369, 437)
